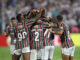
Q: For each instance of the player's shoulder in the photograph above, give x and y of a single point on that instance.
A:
(10, 25)
(20, 23)
(30, 21)
(65, 24)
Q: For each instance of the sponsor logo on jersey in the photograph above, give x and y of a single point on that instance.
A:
(19, 26)
(36, 26)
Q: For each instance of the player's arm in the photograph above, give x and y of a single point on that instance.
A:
(31, 13)
(7, 32)
(33, 20)
(52, 25)
(56, 31)
(34, 14)
(38, 15)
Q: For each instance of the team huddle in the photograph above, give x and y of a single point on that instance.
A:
(32, 34)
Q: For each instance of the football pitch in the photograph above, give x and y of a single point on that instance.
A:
(5, 54)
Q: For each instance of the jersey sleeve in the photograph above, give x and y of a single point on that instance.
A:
(30, 23)
(60, 27)
(53, 21)
(8, 29)
(45, 25)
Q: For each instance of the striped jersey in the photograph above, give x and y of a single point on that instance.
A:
(11, 31)
(66, 38)
(40, 36)
(22, 32)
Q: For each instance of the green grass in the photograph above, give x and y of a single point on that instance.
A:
(57, 54)
(5, 54)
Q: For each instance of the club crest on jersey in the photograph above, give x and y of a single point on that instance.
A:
(19, 26)
(36, 26)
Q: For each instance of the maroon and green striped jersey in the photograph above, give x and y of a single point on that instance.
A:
(22, 32)
(47, 38)
(10, 30)
(65, 37)
(40, 36)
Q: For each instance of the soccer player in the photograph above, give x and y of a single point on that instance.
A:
(20, 19)
(23, 41)
(48, 45)
(38, 32)
(40, 37)
(48, 37)
(10, 32)
(67, 43)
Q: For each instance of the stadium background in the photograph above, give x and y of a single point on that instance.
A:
(70, 9)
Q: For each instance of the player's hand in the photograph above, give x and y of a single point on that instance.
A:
(52, 31)
(45, 19)
(40, 9)
(4, 33)
(31, 13)
(39, 14)
(51, 24)
(34, 11)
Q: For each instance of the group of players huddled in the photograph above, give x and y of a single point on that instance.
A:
(32, 34)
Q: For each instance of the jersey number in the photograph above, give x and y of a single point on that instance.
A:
(22, 36)
(37, 35)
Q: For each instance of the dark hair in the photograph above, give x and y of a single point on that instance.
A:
(59, 17)
(43, 13)
(18, 17)
(28, 13)
(25, 15)
(13, 18)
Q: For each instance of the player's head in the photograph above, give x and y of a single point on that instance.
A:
(35, 12)
(59, 19)
(20, 17)
(13, 21)
(25, 16)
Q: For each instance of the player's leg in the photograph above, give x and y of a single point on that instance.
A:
(40, 54)
(66, 57)
(17, 54)
(26, 56)
(21, 57)
(46, 52)
(62, 53)
(17, 57)
(33, 54)
(12, 50)
(62, 56)
(38, 59)
(70, 57)
(26, 53)
(72, 49)
(13, 57)
(65, 53)
(51, 52)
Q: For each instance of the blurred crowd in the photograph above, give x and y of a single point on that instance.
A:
(70, 9)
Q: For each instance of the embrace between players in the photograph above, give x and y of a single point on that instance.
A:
(32, 34)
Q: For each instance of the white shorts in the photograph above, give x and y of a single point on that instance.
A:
(23, 50)
(48, 52)
(68, 51)
(36, 54)
(12, 49)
